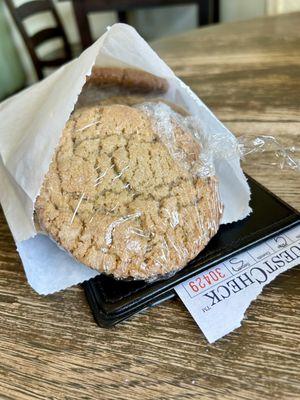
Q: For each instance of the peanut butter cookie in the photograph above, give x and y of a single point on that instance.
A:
(124, 197)
(105, 83)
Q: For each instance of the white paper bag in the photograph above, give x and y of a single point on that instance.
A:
(30, 127)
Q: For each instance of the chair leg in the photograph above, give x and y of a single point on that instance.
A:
(122, 17)
(208, 12)
(216, 11)
(82, 23)
(203, 12)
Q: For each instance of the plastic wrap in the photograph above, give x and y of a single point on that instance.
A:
(283, 157)
(132, 189)
(137, 196)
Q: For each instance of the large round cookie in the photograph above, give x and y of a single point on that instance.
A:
(122, 200)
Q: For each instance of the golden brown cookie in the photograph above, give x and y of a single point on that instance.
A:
(105, 83)
(125, 199)
(128, 78)
(135, 99)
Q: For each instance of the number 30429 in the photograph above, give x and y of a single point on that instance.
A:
(205, 280)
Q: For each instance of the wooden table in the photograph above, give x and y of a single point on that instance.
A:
(50, 347)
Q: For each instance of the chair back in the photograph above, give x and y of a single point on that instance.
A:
(32, 42)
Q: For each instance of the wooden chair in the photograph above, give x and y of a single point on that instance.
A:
(56, 58)
(208, 11)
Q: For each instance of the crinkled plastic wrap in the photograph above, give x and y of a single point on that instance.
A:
(280, 156)
(137, 197)
(132, 190)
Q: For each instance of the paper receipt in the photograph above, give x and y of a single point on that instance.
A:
(218, 297)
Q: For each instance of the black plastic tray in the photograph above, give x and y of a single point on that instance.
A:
(113, 301)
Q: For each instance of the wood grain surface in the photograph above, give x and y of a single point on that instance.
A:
(50, 347)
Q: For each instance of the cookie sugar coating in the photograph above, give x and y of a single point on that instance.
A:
(118, 201)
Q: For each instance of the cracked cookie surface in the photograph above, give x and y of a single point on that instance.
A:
(119, 202)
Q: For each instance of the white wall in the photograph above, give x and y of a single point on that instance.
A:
(164, 21)
(282, 6)
(237, 10)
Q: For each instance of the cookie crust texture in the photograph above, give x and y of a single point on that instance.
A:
(109, 84)
(127, 78)
(118, 201)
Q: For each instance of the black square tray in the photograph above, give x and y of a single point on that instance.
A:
(113, 301)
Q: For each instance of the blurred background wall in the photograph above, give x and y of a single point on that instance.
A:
(12, 71)
(150, 23)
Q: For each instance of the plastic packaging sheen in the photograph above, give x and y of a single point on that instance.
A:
(285, 158)
(137, 196)
(143, 198)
